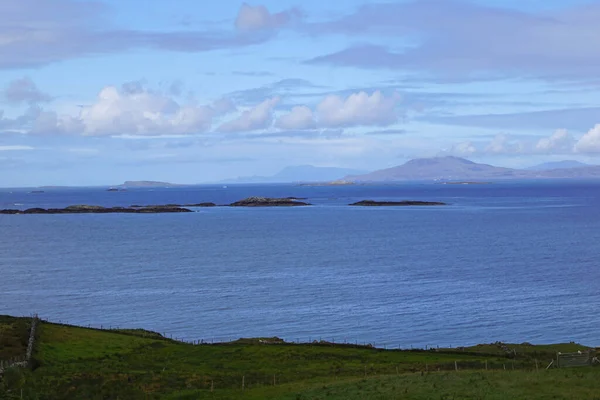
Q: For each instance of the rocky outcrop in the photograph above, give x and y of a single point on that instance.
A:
(89, 209)
(372, 203)
(268, 202)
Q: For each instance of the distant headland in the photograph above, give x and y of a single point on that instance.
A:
(148, 184)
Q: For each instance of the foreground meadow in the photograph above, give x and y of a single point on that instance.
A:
(79, 363)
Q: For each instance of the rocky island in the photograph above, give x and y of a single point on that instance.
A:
(373, 203)
(268, 202)
(89, 209)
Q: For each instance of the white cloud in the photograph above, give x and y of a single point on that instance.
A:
(560, 141)
(255, 18)
(590, 142)
(132, 112)
(301, 117)
(258, 117)
(15, 148)
(502, 144)
(462, 149)
(358, 109)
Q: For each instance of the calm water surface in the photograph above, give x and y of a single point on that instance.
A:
(507, 261)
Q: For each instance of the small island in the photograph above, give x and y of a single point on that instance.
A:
(465, 183)
(89, 209)
(373, 203)
(176, 205)
(268, 202)
(340, 182)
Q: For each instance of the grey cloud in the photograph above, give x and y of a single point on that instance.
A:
(579, 119)
(176, 88)
(281, 88)
(256, 18)
(20, 123)
(302, 134)
(39, 32)
(134, 87)
(464, 40)
(388, 132)
(24, 90)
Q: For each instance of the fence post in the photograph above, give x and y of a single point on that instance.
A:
(456, 365)
(486, 367)
(536, 365)
(243, 382)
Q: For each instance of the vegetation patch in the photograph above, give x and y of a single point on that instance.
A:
(82, 363)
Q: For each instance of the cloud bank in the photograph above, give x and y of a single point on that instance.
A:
(561, 142)
(458, 39)
(135, 110)
(39, 32)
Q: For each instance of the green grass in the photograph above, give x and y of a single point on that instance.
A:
(523, 350)
(81, 363)
(14, 336)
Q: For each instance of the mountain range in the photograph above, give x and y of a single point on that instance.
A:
(455, 168)
(558, 165)
(421, 169)
(299, 173)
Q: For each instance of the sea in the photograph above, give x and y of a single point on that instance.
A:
(508, 261)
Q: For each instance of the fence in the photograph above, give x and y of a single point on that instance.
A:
(579, 359)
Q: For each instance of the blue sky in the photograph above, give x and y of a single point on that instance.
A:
(98, 92)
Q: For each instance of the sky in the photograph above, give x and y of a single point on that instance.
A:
(187, 91)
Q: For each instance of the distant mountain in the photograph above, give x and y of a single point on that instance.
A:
(558, 165)
(589, 172)
(144, 184)
(459, 169)
(438, 168)
(299, 173)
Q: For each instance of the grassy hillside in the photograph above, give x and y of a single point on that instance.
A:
(80, 363)
(14, 335)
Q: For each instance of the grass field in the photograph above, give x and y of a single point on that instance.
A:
(80, 363)
(14, 335)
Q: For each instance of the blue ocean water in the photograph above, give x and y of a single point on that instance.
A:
(507, 261)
